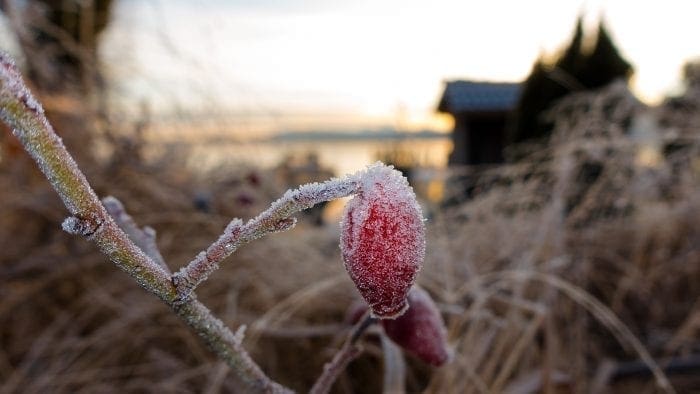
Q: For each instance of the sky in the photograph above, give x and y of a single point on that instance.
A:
(279, 65)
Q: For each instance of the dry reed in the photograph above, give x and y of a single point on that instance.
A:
(560, 272)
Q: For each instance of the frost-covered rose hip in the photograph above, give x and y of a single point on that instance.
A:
(382, 239)
(421, 330)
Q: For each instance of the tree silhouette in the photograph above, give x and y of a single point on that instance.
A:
(604, 64)
(573, 58)
(573, 70)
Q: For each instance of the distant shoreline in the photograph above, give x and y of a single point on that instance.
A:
(388, 135)
(369, 135)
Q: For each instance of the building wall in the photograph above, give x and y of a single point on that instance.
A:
(460, 136)
(478, 138)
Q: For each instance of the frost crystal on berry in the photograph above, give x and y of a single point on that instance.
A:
(383, 239)
(421, 330)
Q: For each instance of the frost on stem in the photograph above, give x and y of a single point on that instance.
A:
(206, 262)
(144, 238)
(15, 85)
(382, 239)
(24, 115)
(275, 219)
(77, 226)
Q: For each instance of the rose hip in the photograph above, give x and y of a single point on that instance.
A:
(383, 240)
(421, 330)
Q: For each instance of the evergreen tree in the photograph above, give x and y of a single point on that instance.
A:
(604, 64)
(573, 70)
(540, 90)
(536, 94)
(572, 59)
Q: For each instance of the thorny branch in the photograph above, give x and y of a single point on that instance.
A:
(23, 113)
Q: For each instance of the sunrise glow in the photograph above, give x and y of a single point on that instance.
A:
(280, 65)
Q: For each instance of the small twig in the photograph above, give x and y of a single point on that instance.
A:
(340, 361)
(359, 329)
(20, 110)
(144, 238)
(275, 219)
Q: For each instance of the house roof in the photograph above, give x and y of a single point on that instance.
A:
(473, 96)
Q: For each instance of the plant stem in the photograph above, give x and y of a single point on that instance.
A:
(275, 219)
(340, 361)
(394, 366)
(144, 238)
(25, 116)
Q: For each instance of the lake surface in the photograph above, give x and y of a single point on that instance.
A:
(339, 156)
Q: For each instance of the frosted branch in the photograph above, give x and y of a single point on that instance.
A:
(144, 238)
(275, 219)
(227, 345)
(23, 113)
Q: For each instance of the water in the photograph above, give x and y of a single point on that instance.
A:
(341, 157)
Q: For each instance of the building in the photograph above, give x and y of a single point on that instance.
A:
(481, 111)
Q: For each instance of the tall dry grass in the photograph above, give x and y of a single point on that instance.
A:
(576, 270)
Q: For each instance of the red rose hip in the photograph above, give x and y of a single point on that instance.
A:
(421, 330)
(382, 239)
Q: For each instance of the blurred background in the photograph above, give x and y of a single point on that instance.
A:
(553, 146)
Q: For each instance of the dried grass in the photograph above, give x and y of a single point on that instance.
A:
(585, 255)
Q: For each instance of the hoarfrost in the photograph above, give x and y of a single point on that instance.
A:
(71, 225)
(85, 227)
(20, 110)
(239, 335)
(278, 217)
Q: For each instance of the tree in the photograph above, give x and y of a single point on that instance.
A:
(604, 64)
(573, 70)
